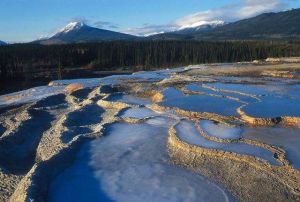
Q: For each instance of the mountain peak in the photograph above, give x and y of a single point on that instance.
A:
(72, 26)
(79, 32)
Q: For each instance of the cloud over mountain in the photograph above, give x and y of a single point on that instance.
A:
(105, 24)
(231, 12)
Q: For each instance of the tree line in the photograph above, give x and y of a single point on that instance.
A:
(26, 60)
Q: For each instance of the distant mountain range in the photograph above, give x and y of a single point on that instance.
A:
(78, 32)
(186, 33)
(199, 27)
(282, 25)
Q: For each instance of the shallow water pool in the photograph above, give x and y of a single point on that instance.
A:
(131, 164)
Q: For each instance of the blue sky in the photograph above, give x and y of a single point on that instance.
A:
(26, 20)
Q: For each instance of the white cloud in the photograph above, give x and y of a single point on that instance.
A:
(254, 7)
(151, 29)
(105, 24)
(229, 13)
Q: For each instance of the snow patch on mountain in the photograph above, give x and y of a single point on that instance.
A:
(70, 27)
(200, 24)
(153, 33)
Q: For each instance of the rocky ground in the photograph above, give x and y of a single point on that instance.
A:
(213, 117)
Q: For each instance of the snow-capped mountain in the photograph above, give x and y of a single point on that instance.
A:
(200, 26)
(281, 25)
(269, 25)
(79, 32)
(2, 43)
(185, 32)
(71, 26)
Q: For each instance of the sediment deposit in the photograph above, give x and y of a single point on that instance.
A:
(44, 132)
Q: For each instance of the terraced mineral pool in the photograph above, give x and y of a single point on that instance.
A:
(198, 88)
(242, 88)
(30, 95)
(128, 99)
(286, 138)
(200, 103)
(293, 91)
(90, 82)
(154, 76)
(130, 163)
(220, 130)
(171, 93)
(2, 130)
(138, 113)
(187, 132)
(80, 122)
(274, 106)
(243, 98)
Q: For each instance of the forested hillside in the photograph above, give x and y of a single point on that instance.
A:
(28, 60)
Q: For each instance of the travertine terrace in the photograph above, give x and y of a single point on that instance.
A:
(212, 124)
